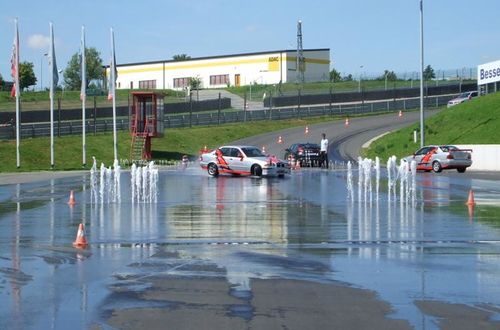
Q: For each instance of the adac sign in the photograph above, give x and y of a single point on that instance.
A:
(273, 63)
(488, 73)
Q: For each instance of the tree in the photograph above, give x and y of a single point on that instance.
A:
(26, 75)
(348, 78)
(335, 76)
(94, 69)
(429, 73)
(389, 75)
(181, 57)
(194, 83)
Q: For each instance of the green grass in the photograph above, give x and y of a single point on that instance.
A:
(71, 99)
(473, 122)
(257, 90)
(35, 153)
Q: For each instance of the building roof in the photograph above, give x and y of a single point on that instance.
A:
(220, 56)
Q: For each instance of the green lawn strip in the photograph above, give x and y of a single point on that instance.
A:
(71, 99)
(473, 122)
(35, 153)
(257, 90)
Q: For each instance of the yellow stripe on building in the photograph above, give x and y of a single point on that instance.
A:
(169, 66)
(193, 65)
(308, 60)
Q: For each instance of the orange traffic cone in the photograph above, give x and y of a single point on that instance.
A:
(307, 130)
(470, 200)
(400, 114)
(471, 211)
(71, 200)
(280, 140)
(80, 241)
(346, 122)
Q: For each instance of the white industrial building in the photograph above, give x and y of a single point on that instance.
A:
(270, 67)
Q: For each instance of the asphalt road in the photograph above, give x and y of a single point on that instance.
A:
(345, 141)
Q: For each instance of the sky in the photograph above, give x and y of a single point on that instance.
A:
(365, 37)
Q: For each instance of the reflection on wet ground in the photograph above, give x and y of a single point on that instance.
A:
(232, 233)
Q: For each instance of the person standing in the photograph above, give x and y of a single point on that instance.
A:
(324, 151)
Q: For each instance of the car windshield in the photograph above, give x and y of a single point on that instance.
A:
(311, 146)
(252, 152)
(463, 95)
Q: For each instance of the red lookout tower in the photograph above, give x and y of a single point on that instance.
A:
(146, 122)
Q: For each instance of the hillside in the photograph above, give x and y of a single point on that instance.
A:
(473, 122)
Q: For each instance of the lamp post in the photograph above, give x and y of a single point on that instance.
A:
(359, 80)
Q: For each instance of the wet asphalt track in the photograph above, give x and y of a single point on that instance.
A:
(246, 229)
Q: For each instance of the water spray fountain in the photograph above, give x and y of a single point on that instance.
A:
(143, 183)
(349, 181)
(105, 184)
(404, 175)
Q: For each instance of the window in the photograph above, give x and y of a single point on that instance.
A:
(226, 151)
(181, 82)
(221, 79)
(147, 84)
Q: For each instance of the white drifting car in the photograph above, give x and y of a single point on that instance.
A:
(442, 157)
(462, 98)
(242, 160)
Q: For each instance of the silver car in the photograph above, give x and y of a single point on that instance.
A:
(242, 160)
(438, 158)
(461, 98)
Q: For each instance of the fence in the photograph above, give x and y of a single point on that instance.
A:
(37, 116)
(222, 117)
(364, 95)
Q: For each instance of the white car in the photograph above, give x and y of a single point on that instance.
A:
(242, 160)
(441, 157)
(461, 98)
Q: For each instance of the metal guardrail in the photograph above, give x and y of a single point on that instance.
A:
(216, 118)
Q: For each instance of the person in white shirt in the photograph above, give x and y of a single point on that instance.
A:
(324, 151)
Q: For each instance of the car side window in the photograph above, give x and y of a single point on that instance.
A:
(226, 152)
(235, 152)
(422, 151)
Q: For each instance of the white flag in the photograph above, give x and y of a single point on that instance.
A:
(14, 63)
(83, 67)
(112, 70)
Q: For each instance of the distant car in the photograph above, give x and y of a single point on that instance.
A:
(462, 98)
(242, 160)
(306, 154)
(438, 158)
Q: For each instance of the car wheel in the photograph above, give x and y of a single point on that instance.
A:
(212, 170)
(436, 167)
(461, 169)
(256, 170)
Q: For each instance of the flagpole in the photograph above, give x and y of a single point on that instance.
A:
(113, 90)
(422, 118)
(83, 95)
(17, 88)
(51, 70)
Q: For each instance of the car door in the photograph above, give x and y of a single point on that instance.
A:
(420, 154)
(224, 158)
(237, 160)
